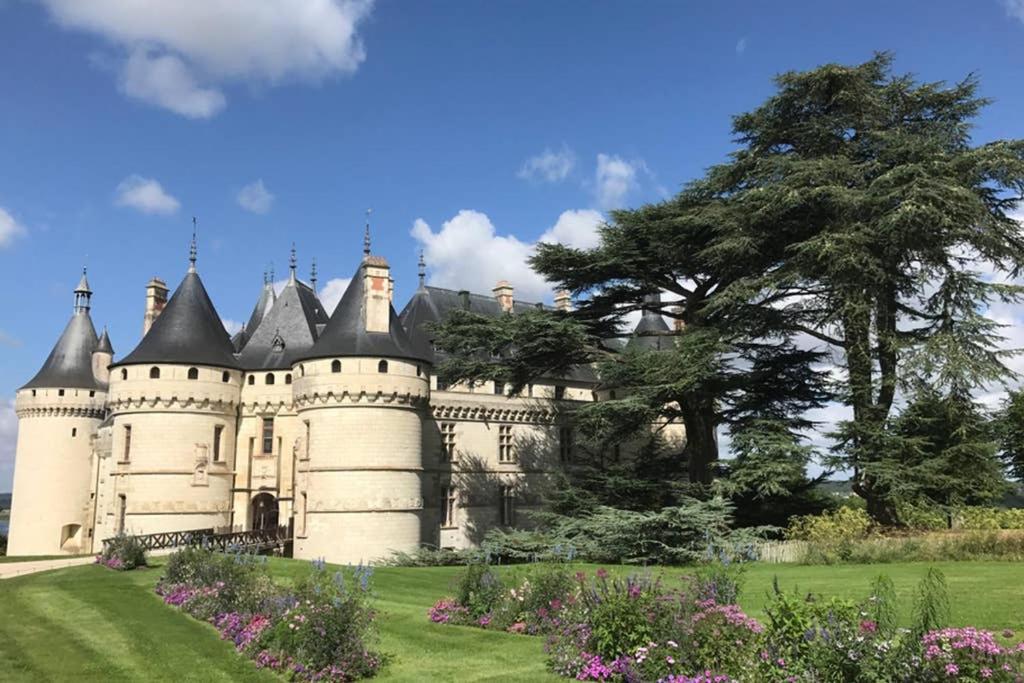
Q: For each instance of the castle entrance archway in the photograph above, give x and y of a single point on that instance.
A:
(264, 511)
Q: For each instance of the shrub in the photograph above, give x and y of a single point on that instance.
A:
(969, 654)
(831, 536)
(479, 589)
(988, 518)
(433, 557)
(122, 553)
(3, 544)
(931, 607)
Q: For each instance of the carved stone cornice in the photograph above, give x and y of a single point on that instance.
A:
(492, 413)
(306, 401)
(173, 403)
(95, 412)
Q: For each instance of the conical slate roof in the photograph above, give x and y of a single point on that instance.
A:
(288, 330)
(104, 345)
(188, 331)
(69, 364)
(346, 335)
(263, 306)
(651, 333)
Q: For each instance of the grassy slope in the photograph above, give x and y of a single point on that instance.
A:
(96, 624)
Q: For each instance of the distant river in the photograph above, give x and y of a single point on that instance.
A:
(4, 525)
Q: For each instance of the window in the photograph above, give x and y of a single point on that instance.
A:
(124, 373)
(529, 390)
(193, 373)
(33, 392)
(154, 373)
(306, 454)
(419, 370)
(269, 379)
(252, 380)
(218, 431)
(611, 394)
(302, 370)
(499, 388)
(303, 505)
(74, 432)
(447, 440)
(448, 500)
(505, 443)
(268, 435)
(122, 512)
(92, 394)
(252, 445)
(508, 505)
(60, 392)
(442, 384)
(126, 455)
(288, 378)
(226, 377)
(565, 443)
(382, 366)
(559, 392)
(335, 366)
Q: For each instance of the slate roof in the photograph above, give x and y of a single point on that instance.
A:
(286, 331)
(263, 306)
(434, 304)
(69, 364)
(104, 345)
(346, 335)
(652, 333)
(188, 331)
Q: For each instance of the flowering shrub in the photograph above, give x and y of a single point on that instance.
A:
(969, 654)
(322, 629)
(122, 553)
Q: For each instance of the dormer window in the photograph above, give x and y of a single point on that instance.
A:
(193, 373)
(154, 373)
(382, 366)
(278, 343)
(336, 366)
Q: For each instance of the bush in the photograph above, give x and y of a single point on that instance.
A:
(830, 536)
(433, 557)
(122, 553)
(3, 544)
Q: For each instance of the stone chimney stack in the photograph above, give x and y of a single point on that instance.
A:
(503, 292)
(156, 299)
(563, 301)
(377, 294)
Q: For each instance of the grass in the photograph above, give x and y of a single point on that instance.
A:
(90, 623)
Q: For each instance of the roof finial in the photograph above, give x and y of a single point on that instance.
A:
(271, 273)
(292, 263)
(192, 249)
(366, 235)
(265, 280)
(312, 274)
(423, 270)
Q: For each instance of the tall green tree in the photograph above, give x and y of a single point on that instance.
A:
(1010, 431)
(887, 211)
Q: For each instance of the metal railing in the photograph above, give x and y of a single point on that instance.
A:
(215, 539)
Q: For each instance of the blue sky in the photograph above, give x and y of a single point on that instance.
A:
(472, 129)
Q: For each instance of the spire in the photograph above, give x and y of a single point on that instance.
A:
(312, 275)
(291, 264)
(83, 294)
(266, 279)
(192, 249)
(271, 280)
(366, 235)
(423, 270)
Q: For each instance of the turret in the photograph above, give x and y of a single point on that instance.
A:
(58, 411)
(361, 394)
(102, 357)
(173, 403)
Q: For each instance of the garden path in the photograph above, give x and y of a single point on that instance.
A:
(12, 569)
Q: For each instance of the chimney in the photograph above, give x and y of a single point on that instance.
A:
(377, 294)
(391, 289)
(503, 293)
(563, 301)
(156, 299)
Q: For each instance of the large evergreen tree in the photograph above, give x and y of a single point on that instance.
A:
(1010, 432)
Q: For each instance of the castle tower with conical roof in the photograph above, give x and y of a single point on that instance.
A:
(58, 412)
(361, 393)
(173, 404)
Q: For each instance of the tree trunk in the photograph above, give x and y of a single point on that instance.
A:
(701, 449)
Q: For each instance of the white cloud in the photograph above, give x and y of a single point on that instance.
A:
(9, 340)
(146, 195)
(550, 166)
(9, 228)
(165, 80)
(190, 47)
(232, 326)
(1015, 8)
(614, 178)
(255, 197)
(8, 441)
(741, 45)
(332, 292)
(575, 228)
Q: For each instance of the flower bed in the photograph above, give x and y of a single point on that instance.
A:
(320, 629)
(122, 553)
(634, 629)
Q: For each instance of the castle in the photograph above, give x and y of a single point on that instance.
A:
(336, 425)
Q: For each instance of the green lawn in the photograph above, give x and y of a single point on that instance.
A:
(90, 623)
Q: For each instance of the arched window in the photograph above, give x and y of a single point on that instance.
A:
(302, 371)
(336, 366)
(270, 378)
(419, 370)
(124, 373)
(193, 373)
(382, 366)
(226, 377)
(252, 380)
(154, 373)
(288, 378)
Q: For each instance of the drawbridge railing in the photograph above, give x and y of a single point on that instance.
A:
(252, 539)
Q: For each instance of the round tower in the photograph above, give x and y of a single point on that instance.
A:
(361, 394)
(173, 402)
(58, 412)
